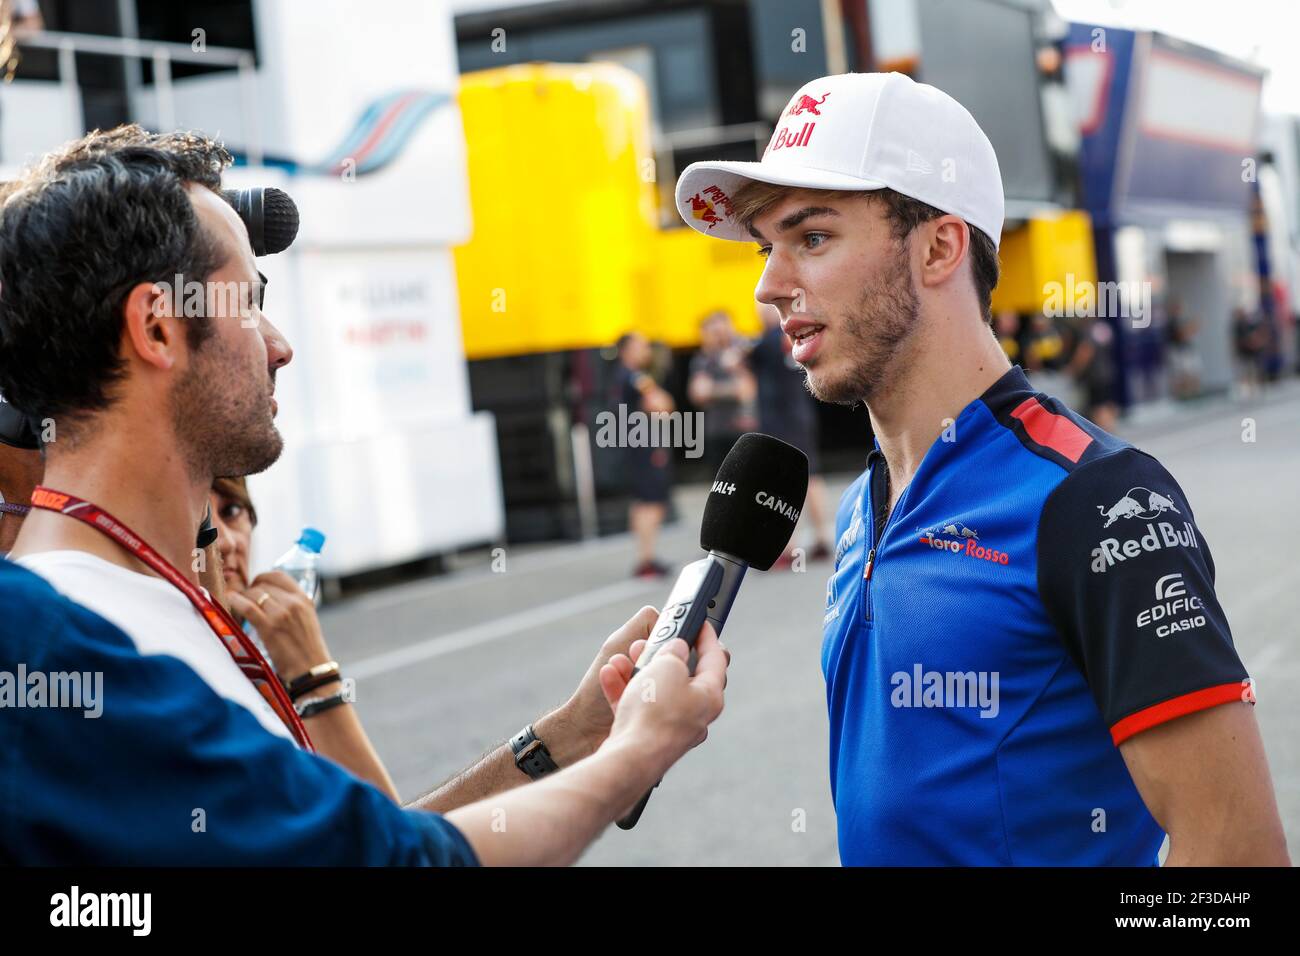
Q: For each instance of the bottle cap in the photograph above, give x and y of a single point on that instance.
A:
(312, 540)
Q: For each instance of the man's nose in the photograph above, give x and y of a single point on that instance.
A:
(776, 286)
(279, 352)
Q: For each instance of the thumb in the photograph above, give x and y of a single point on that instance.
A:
(676, 647)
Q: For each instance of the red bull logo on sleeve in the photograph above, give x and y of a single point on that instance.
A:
(1159, 535)
(1139, 502)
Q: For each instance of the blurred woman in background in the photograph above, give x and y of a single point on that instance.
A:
(288, 632)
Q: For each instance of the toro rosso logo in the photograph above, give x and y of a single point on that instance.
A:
(806, 104)
(967, 544)
(1140, 503)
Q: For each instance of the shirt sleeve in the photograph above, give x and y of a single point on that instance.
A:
(1128, 581)
(151, 767)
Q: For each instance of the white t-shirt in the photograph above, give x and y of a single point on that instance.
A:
(157, 617)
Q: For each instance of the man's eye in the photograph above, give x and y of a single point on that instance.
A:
(231, 512)
(764, 251)
(811, 240)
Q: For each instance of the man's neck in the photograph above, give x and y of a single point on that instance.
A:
(147, 488)
(944, 376)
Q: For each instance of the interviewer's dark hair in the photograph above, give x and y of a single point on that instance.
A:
(78, 230)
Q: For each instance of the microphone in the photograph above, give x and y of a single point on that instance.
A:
(750, 514)
(270, 215)
(16, 429)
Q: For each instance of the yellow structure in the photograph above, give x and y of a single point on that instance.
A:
(1047, 262)
(565, 251)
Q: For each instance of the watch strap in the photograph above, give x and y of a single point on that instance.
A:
(531, 755)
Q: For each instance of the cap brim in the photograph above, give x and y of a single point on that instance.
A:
(704, 191)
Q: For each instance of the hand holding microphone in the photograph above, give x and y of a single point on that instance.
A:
(667, 711)
(751, 512)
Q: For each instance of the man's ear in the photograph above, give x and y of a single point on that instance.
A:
(946, 246)
(151, 324)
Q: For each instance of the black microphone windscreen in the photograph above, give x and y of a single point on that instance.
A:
(754, 504)
(270, 215)
(280, 220)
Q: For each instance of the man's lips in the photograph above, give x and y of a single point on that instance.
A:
(805, 338)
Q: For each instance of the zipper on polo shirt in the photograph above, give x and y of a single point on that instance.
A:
(877, 491)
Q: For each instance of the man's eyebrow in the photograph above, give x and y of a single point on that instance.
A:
(795, 218)
(792, 220)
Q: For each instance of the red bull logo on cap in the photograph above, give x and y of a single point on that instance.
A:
(705, 210)
(784, 138)
(806, 104)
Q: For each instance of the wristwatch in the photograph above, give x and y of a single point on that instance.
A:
(531, 755)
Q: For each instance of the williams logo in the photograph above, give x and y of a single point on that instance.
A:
(959, 538)
(1140, 503)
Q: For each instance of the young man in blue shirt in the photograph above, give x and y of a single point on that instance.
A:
(1025, 660)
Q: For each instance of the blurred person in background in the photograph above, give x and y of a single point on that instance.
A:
(722, 387)
(152, 406)
(1250, 340)
(787, 410)
(17, 18)
(1184, 358)
(647, 470)
(1006, 326)
(1046, 353)
(1092, 367)
(283, 620)
(24, 16)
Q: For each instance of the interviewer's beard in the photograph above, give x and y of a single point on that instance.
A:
(225, 430)
(873, 335)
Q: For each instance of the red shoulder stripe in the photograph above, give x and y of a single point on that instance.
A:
(1052, 430)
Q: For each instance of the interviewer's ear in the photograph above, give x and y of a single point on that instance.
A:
(944, 245)
(151, 329)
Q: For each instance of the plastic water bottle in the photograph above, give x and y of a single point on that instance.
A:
(300, 561)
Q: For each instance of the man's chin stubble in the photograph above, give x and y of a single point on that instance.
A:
(251, 460)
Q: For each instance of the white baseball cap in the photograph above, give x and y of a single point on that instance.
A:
(861, 131)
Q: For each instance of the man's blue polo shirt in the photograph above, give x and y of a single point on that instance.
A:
(110, 757)
(1039, 594)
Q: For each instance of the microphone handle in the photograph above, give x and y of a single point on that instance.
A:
(705, 590)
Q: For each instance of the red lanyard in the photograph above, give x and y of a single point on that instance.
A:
(250, 661)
